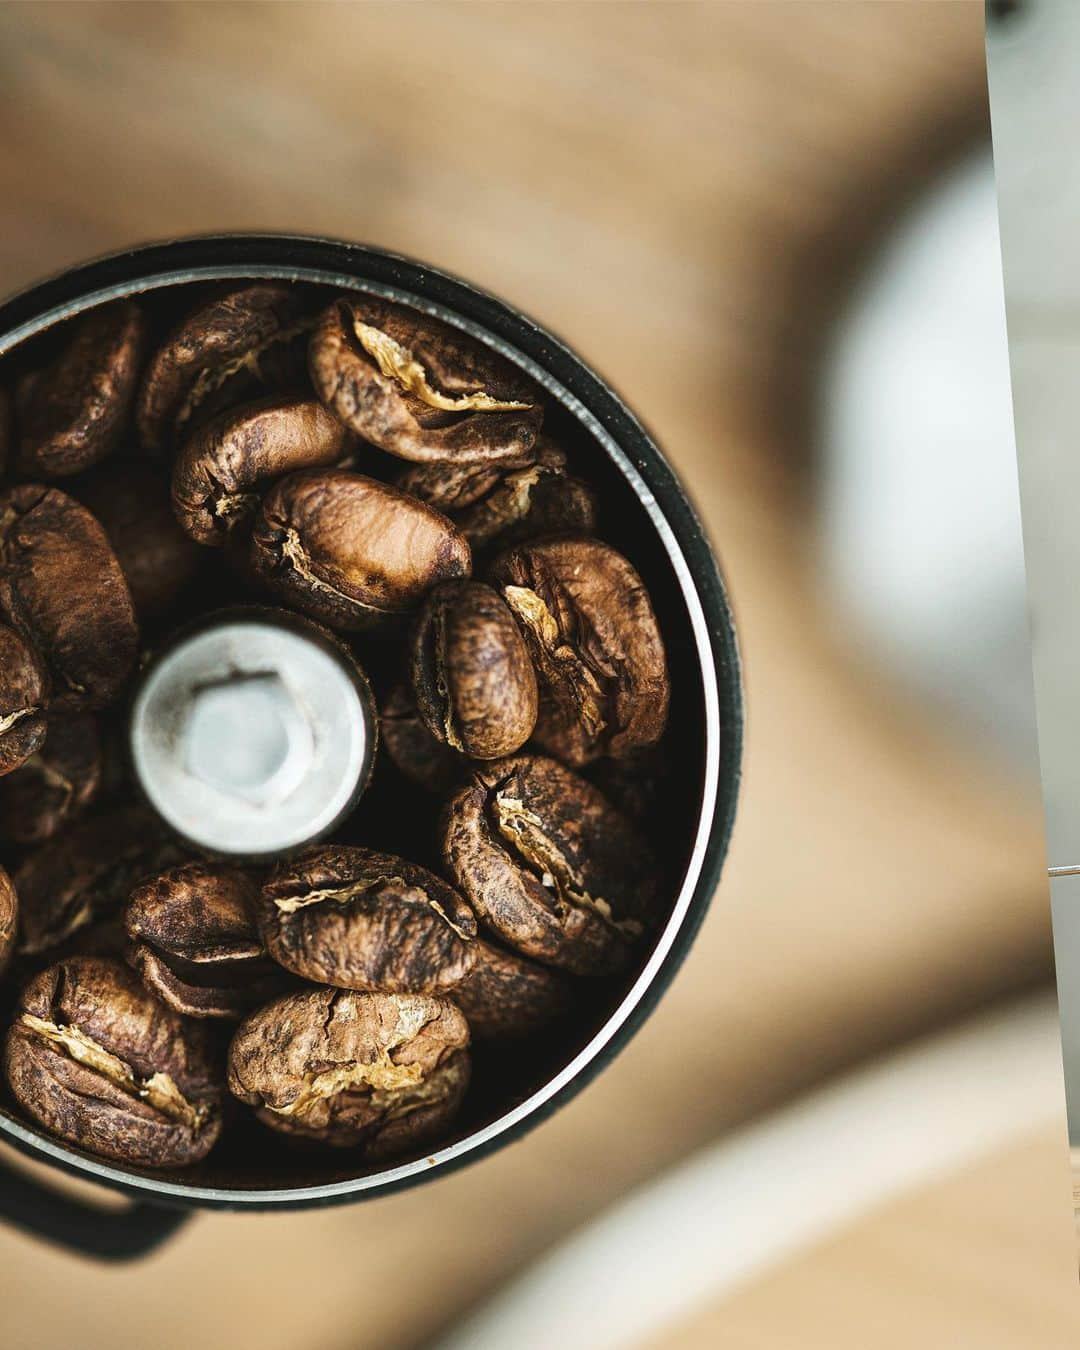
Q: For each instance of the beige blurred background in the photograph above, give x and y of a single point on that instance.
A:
(685, 192)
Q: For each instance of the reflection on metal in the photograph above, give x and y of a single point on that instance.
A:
(1035, 107)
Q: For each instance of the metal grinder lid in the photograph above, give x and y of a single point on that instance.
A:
(253, 736)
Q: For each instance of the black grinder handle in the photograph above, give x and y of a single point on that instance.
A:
(105, 1235)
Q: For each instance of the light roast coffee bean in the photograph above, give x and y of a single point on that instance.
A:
(549, 865)
(225, 351)
(499, 505)
(93, 1058)
(195, 944)
(72, 413)
(595, 643)
(222, 467)
(418, 388)
(379, 1073)
(351, 551)
(471, 671)
(360, 919)
(55, 785)
(62, 587)
(24, 685)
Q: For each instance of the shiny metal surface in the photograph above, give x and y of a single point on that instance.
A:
(251, 738)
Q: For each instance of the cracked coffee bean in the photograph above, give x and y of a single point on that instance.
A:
(130, 499)
(24, 685)
(55, 785)
(549, 865)
(62, 587)
(64, 890)
(9, 920)
(471, 671)
(496, 504)
(360, 919)
(506, 997)
(418, 388)
(96, 1060)
(73, 413)
(351, 551)
(595, 643)
(380, 1073)
(425, 761)
(226, 351)
(222, 468)
(195, 944)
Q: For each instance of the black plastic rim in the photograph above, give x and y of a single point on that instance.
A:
(579, 389)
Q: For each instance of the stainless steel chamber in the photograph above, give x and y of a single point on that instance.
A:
(647, 514)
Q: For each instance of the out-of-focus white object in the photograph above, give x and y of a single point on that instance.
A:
(783, 1185)
(919, 496)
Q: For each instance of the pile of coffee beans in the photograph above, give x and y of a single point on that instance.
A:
(380, 472)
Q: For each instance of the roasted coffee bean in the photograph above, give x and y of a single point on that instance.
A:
(351, 551)
(7, 431)
(493, 504)
(103, 937)
(506, 997)
(55, 785)
(637, 784)
(24, 685)
(471, 671)
(73, 413)
(62, 587)
(9, 920)
(415, 752)
(95, 1059)
(595, 643)
(549, 865)
(224, 352)
(218, 474)
(62, 890)
(382, 1073)
(418, 388)
(195, 944)
(130, 499)
(358, 919)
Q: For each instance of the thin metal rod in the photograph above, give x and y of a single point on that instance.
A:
(1071, 871)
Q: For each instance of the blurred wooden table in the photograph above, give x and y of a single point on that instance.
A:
(981, 1261)
(683, 191)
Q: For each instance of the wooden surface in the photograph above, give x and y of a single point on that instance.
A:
(683, 192)
(982, 1261)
